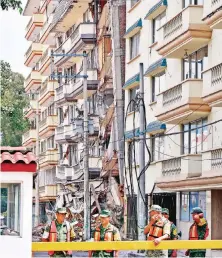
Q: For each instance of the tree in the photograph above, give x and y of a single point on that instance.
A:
(13, 101)
(14, 4)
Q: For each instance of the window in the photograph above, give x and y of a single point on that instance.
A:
(51, 110)
(158, 85)
(132, 96)
(189, 200)
(156, 24)
(10, 208)
(133, 2)
(51, 142)
(61, 115)
(60, 152)
(92, 105)
(73, 155)
(86, 16)
(194, 64)
(192, 2)
(42, 146)
(195, 140)
(157, 147)
(59, 41)
(134, 45)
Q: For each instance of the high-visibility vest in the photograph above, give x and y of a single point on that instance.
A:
(156, 230)
(53, 236)
(107, 237)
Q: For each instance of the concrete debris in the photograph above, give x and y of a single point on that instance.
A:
(37, 233)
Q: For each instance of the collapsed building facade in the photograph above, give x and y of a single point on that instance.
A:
(64, 27)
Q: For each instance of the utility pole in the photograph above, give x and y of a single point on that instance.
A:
(86, 153)
(37, 156)
(141, 209)
(118, 17)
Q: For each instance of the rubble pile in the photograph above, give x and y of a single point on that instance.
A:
(37, 233)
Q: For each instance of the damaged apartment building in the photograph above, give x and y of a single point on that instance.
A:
(65, 27)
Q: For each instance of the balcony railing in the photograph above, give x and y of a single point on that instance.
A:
(216, 75)
(45, 56)
(173, 26)
(179, 33)
(172, 95)
(212, 86)
(28, 52)
(29, 23)
(171, 167)
(216, 159)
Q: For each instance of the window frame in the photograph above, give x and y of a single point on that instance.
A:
(135, 37)
(131, 97)
(19, 207)
(188, 150)
(155, 140)
(154, 91)
(193, 65)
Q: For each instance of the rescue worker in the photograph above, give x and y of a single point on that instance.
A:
(105, 232)
(173, 232)
(198, 231)
(157, 230)
(59, 230)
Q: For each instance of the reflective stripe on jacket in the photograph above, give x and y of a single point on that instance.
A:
(53, 236)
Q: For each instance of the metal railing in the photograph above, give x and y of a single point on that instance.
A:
(45, 56)
(172, 95)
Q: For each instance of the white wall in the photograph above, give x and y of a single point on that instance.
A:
(12, 246)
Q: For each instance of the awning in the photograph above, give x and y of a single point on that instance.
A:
(155, 127)
(132, 82)
(131, 134)
(156, 67)
(156, 10)
(133, 29)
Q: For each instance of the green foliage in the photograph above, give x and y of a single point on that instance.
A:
(13, 101)
(14, 4)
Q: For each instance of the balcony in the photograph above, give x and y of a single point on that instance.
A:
(213, 13)
(212, 86)
(29, 138)
(33, 81)
(180, 168)
(50, 5)
(45, 61)
(82, 39)
(48, 159)
(212, 163)
(182, 102)
(68, 13)
(63, 134)
(31, 111)
(73, 90)
(186, 32)
(33, 54)
(47, 92)
(34, 26)
(47, 126)
(46, 37)
(69, 172)
(77, 129)
(48, 192)
(77, 89)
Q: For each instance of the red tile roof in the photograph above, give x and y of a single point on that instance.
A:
(16, 155)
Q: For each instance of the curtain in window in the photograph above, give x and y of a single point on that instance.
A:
(134, 42)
